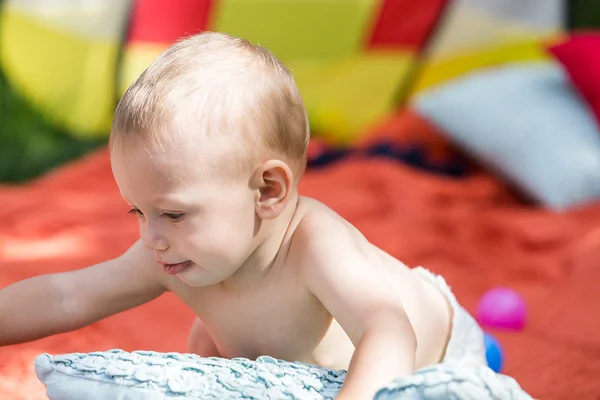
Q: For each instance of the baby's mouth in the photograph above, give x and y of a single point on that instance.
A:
(174, 269)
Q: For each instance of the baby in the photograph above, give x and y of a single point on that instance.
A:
(207, 147)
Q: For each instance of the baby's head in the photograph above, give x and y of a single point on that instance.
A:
(216, 97)
(207, 146)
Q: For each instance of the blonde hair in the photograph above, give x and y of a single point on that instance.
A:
(216, 86)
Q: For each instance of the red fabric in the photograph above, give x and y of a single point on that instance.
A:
(407, 128)
(580, 55)
(167, 21)
(472, 230)
(405, 23)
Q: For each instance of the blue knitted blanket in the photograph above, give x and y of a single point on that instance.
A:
(145, 375)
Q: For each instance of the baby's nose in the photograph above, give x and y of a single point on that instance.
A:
(153, 240)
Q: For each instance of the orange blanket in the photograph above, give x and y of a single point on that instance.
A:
(473, 231)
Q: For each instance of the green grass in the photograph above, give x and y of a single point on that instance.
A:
(29, 144)
(584, 14)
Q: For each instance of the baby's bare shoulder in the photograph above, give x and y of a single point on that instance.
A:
(317, 217)
(139, 264)
(320, 229)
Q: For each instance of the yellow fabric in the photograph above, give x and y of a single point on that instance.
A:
(474, 37)
(438, 71)
(292, 29)
(344, 97)
(137, 56)
(83, 18)
(71, 79)
(468, 29)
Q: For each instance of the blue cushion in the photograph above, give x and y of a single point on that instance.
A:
(527, 123)
(145, 375)
(444, 381)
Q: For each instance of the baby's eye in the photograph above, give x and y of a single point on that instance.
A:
(136, 212)
(172, 216)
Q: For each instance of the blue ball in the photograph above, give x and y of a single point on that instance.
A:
(493, 352)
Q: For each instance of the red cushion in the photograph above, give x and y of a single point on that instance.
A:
(580, 55)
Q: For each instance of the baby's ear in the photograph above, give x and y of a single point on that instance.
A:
(273, 182)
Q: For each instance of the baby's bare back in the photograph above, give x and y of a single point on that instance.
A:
(276, 315)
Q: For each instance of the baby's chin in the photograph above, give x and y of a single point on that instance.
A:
(196, 276)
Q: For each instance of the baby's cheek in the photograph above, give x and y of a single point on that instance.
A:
(230, 242)
(222, 238)
(208, 243)
(226, 241)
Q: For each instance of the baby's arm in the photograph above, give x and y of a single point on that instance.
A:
(50, 304)
(352, 286)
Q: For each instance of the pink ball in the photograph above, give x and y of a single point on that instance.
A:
(502, 308)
